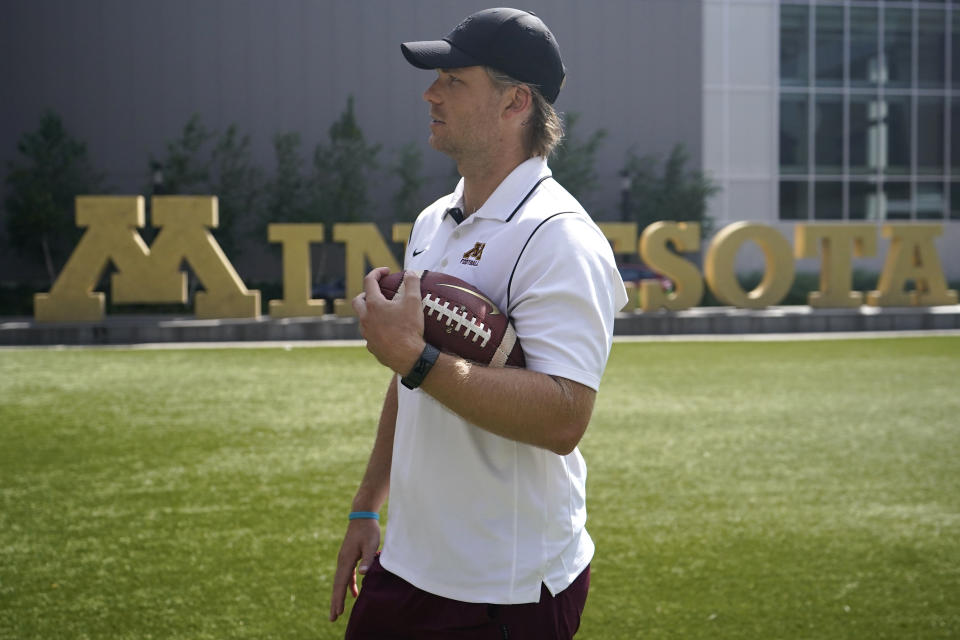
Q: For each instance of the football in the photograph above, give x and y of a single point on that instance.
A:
(461, 320)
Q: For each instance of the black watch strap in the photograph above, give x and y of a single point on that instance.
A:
(420, 370)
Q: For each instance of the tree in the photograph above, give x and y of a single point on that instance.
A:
(238, 185)
(288, 194)
(341, 168)
(676, 193)
(573, 161)
(406, 200)
(55, 169)
(336, 190)
(185, 169)
(201, 161)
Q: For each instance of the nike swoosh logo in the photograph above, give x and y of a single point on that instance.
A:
(416, 252)
(494, 311)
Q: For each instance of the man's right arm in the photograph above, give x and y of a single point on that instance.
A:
(363, 536)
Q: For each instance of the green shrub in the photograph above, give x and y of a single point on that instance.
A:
(51, 170)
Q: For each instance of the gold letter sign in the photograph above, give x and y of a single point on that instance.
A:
(146, 275)
(688, 285)
(912, 256)
(837, 244)
(364, 245)
(720, 272)
(912, 274)
(297, 297)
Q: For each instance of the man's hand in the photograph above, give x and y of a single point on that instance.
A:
(393, 329)
(360, 543)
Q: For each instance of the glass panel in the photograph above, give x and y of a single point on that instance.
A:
(793, 134)
(793, 200)
(932, 49)
(866, 134)
(930, 201)
(828, 201)
(794, 45)
(956, 49)
(828, 142)
(930, 135)
(895, 200)
(863, 201)
(955, 200)
(897, 49)
(896, 129)
(829, 51)
(955, 135)
(864, 47)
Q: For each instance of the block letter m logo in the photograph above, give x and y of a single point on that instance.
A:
(477, 252)
(146, 275)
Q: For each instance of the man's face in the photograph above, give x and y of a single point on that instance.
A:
(465, 112)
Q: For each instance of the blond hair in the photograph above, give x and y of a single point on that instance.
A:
(545, 129)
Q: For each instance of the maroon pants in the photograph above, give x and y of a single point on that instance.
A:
(390, 608)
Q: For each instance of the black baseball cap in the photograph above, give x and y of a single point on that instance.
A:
(510, 40)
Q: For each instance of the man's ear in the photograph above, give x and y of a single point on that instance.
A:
(520, 102)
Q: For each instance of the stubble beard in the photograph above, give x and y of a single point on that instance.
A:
(466, 148)
(446, 147)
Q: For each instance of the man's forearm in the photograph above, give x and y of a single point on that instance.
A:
(518, 404)
(375, 486)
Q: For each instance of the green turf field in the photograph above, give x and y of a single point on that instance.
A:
(736, 490)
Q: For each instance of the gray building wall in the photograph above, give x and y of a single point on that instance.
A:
(126, 75)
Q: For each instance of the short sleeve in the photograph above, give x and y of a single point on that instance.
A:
(564, 293)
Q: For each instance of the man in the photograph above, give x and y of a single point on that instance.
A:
(486, 536)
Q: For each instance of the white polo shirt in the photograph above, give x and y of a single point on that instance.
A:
(473, 516)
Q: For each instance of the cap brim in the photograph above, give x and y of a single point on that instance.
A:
(436, 54)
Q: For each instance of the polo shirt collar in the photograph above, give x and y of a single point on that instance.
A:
(511, 192)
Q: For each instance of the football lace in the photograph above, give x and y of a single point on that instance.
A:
(462, 319)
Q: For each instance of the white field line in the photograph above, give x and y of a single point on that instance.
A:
(310, 344)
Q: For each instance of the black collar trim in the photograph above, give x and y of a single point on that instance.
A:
(525, 198)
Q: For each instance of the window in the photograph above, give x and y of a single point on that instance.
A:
(895, 128)
(870, 109)
(895, 200)
(955, 57)
(865, 135)
(931, 51)
(930, 201)
(793, 134)
(828, 204)
(898, 47)
(828, 143)
(794, 45)
(829, 51)
(930, 135)
(955, 136)
(793, 200)
(863, 200)
(864, 47)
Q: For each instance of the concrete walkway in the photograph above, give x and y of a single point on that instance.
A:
(693, 324)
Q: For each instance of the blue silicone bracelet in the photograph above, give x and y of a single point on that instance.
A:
(364, 515)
